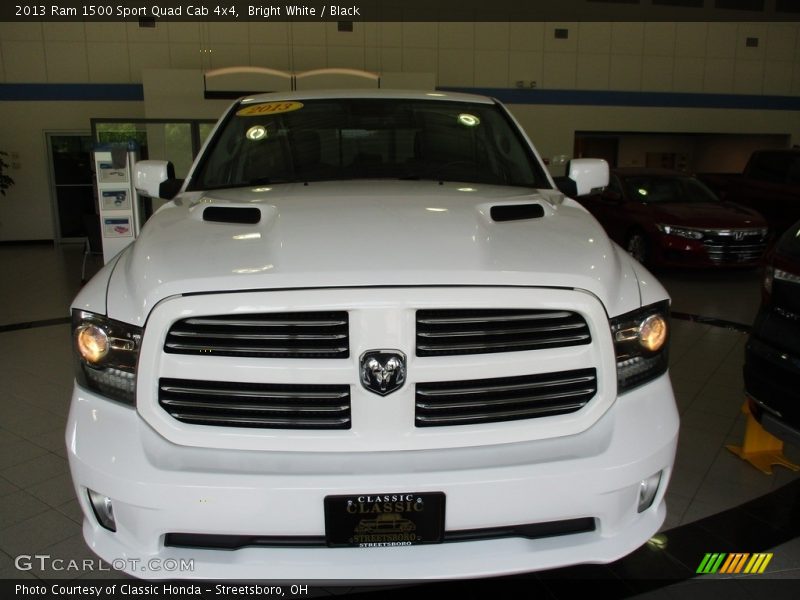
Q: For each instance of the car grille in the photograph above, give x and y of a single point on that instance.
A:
(724, 247)
(264, 335)
(267, 406)
(450, 332)
(503, 399)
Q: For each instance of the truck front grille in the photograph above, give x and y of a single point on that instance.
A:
(504, 398)
(449, 332)
(263, 335)
(268, 406)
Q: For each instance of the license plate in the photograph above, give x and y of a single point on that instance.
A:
(384, 520)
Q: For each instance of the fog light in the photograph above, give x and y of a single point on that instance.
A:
(103, 511)
(647, 491)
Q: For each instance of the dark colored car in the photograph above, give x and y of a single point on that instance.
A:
(669, 218)
(769, 184)
(772, 354)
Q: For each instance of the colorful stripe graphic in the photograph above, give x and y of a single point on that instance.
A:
(733, 563)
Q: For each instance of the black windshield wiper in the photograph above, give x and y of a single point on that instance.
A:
(261, 181)
(252, 182)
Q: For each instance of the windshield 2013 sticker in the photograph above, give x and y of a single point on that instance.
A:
(268, 108)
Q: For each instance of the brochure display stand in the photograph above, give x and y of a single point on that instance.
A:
(118, 203)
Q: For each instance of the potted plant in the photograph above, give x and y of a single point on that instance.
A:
(5, 181)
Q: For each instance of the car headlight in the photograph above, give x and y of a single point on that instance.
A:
(781, 275)
(684, 232)
(641, 345)
(106, 352)
(769, 278)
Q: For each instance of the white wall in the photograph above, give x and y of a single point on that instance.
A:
(660, 57)
(178, 94)
(25, 212)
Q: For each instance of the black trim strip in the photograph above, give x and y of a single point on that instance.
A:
(34, 324)
(650, 99)
(234, 542)
(713, 321)
(80, 92)
(230, 94)
(41, 242)
(134, 92)
(531, 531)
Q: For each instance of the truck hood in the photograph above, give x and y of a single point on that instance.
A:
(368, 233)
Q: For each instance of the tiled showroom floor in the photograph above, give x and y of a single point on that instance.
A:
(716, 502)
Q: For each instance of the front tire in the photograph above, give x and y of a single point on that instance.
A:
(638, 246)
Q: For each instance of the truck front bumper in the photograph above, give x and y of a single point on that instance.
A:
(159, 488)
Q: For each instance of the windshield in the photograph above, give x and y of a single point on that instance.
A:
(658, 188)
(318, 140)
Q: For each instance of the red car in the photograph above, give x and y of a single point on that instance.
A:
(671, 219)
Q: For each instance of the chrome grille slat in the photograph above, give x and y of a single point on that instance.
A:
(502, 388)
(460, 333)
(264, 422)
(504, 398)
(735, 247)
(714, 250)
(502, 346)
(233, 404)
(449, 332)
(319, 334)
(524, 316)
(248, 350)
(252, 394)
(253, 407)
(724, 257)
(228, 322)
(510, 415)
(259, 336)
(502, 401)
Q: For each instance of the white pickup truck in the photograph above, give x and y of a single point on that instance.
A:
(365, 303)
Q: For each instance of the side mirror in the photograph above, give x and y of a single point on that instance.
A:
(156, 179)
(589, 174)
(566, 186)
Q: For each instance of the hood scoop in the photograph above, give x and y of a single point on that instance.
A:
(516, 212)
(245, 215)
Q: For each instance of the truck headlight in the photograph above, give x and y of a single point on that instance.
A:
(641, 345)
(106, 352)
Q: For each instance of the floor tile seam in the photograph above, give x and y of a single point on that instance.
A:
(58, 456)
(23, 325)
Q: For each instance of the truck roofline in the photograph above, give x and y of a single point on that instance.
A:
(368, 94)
